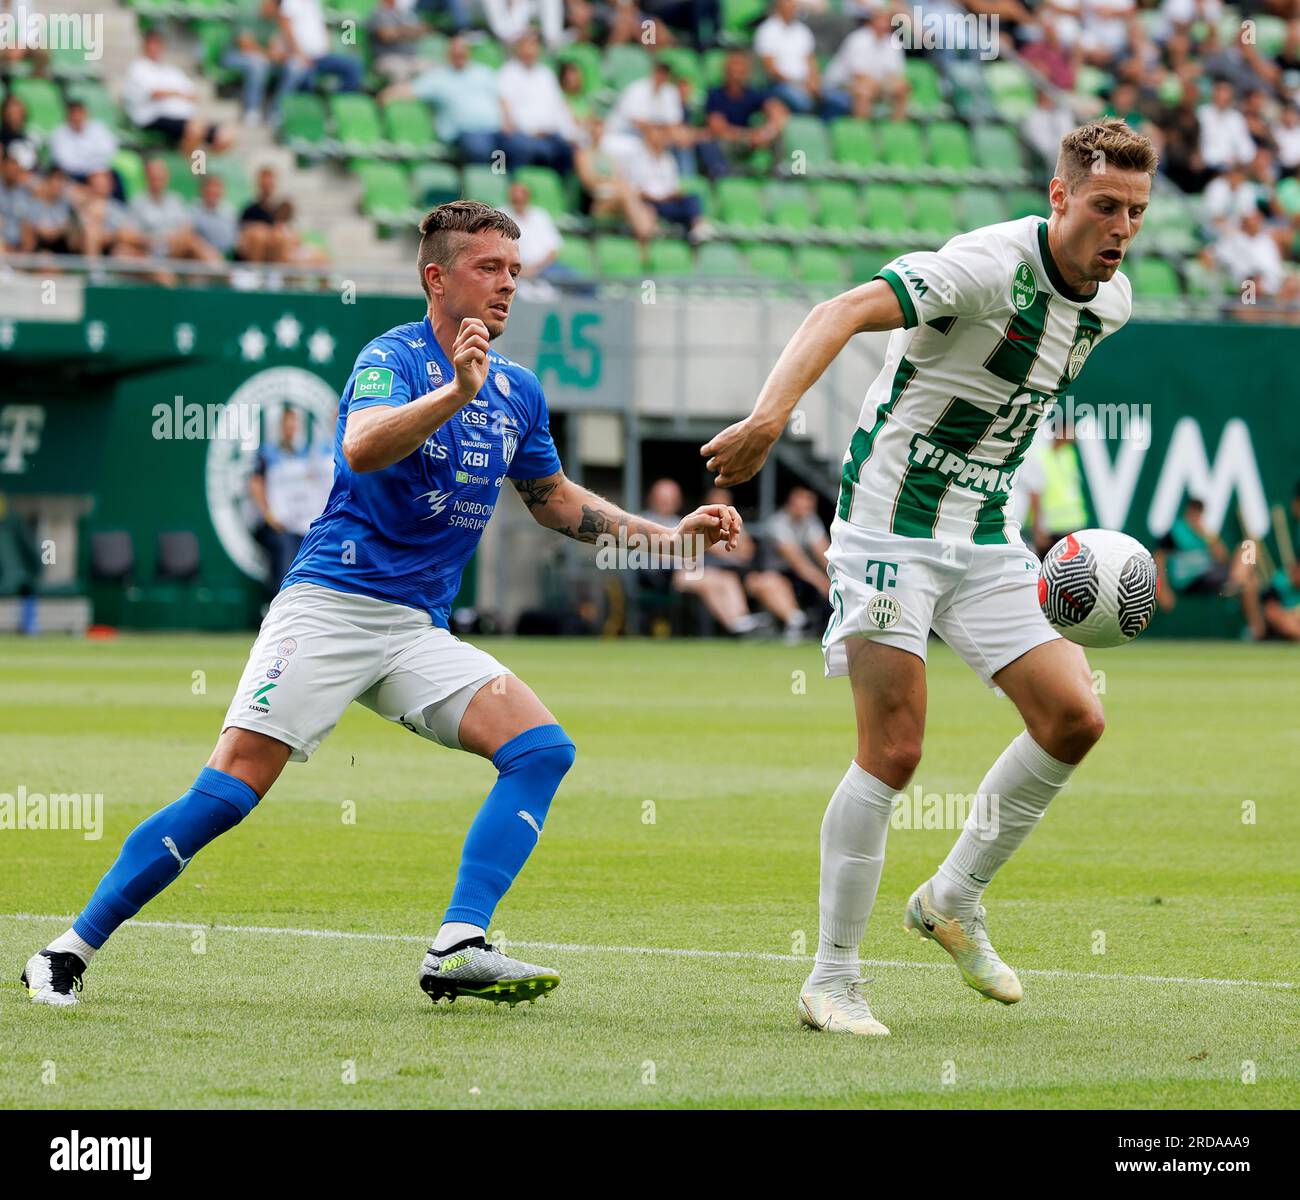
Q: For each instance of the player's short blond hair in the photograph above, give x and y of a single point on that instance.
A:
(1091, 148)
(440, 231)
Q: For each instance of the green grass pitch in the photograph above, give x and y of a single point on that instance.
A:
(676, 884)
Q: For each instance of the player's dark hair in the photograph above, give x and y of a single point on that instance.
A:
(1110, 142)
(440, 240)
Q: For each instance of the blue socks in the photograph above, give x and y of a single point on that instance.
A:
(158, 849)
(508, 825)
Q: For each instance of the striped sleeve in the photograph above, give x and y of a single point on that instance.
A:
(964, 279)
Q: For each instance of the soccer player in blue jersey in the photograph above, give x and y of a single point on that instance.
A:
(431, 423)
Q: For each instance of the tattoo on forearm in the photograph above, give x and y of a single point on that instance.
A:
(535, 492)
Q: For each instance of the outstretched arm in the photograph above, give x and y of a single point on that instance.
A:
(558, 503)
(740, 450)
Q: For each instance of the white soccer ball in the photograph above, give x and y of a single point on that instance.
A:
(1098, 587)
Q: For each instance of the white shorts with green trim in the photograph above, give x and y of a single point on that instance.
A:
(982, 600)
(318, 650)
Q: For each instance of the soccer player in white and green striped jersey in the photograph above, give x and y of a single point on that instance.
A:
(989, 332)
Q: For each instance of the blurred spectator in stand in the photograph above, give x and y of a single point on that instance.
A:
(213, 219)
(466, 97)
(1250, 252)
(13, 199)
(1181, 159)
(869, 65)
(161, 98)
(1227, 199)
(1051, 57)
(1105, 34)
(16, 139)
(1044, 127)
(47, 215)
(797, 541)
(537, 127)
(655, 99)
(1192, 560)
(539, 240)
(80, 147)
(255, 49)
(105, 225)
(307, 52)
(701, 18)
(652, 172)
(453, 15)
(730, 111)
(1287, 136)
(13, 50)
(1224, 137)
(510, 20)
(1281, 603)
(395, 34)
(606, 191)
(784, 44)
(163, 217)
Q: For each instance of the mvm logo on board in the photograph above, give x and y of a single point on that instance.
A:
(85, 1153)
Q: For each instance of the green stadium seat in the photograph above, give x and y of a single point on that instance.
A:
(853, 143)
(43, 100)
(740, 202)
(575, 253)
(213, 38)
(385, 191)
(233, 172)
(624, 64)
(711, 66)
(547, 188)
(1172, 224)
(619, 258)
(302, 119)
(1155, 278)
(998, 149)
(950, 147)
(887, 209)
(926, 96)
(901, 145)
(698, 185)
(770, 261)
(982, 206)
(435, 183)
(1200, 279)
(99, 104)
(820, 264)
(720, 260)
(686, 63)
(1025, 202)
(934, 211)
(838, 206)
(409, 126)
(806, 136)
(1011, 88)
(484, 184)
(356, 123)
(589, 60)
(181, 176)
(738, 16)
(789, 206)
(670, 259)
(864, 262)
(130, 167)
(489, 52)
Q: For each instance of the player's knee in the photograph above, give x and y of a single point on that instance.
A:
(1076, 728)
(894, 760)
(545, 751)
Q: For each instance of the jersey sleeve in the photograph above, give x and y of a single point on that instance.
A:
(536, 456)
(966, 278)
(378, 377)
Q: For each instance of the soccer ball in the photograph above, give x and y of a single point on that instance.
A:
(1098, 587)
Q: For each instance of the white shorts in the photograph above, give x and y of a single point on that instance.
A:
(982, 600)
(318, 650)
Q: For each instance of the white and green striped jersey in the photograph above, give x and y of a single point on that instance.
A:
(993, 336)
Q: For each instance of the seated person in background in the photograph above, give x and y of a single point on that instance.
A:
(13, 199)
(81, 146)
(720, 591)
(255, 48)
(869, 65)
(161, 98)
(1281, 603)
(257, 221)
(768, 587)
(17, 138)
(537, 127)
(213, 219)
(606, 191)
(308, 54)
(395, 33)
(104, 223)
(655, 99)
(797, 540)
(730, 111)
(47, 215)
(287, 245)
(1192, 560)
(539, 240)
(784, 45)
(652, 172)
(163, 217)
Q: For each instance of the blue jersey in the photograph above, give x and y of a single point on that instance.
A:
(404, 534)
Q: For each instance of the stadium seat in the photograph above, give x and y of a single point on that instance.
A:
(302, 119)
(887, 211)
(575, 253)
(589, 60)
(950, 147)
(1155, 277)
(739, 16)
(720, 260)
(484, 184)
(619, 258)
(1024, 202)
(356, 124)
(130, 168)
(740, 202)
(686, 63)
(434, 183)
(624, 64)
(863, 263)
(1011, 88)
(820, 264)
(178, 555)
(697, 185)
(711, 65)
(99, 104)
(670, 259)
(770, 261)
(807, 136)
(233, 172)
(901, 145)
(385, 192)
(926, 97)
(112, 555)
(854, 143)
(982, 206)
(547, 188)
(181, 176)
(838, 206)
(489, 52)
(934, 212)
(998, 149)
(43, 100)
(789, 206)
(409, 126)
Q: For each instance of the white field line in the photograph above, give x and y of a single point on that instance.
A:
(579, 948)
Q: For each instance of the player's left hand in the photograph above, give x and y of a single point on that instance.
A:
(714, 523)
(738, 452)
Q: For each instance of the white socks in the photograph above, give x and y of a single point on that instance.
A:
(1011, 799)
(70, 943)
(853, 855)
(453, 932)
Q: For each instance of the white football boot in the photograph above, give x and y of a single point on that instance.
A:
(967, 940)
(483, 972)
(839, 1007)
(53, 977)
